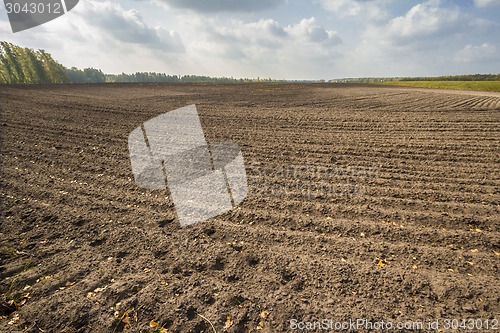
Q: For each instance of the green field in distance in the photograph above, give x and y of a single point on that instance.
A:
(458, 85)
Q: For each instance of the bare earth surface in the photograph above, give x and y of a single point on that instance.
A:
(373, 203)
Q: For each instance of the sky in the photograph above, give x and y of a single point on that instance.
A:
(280, 39)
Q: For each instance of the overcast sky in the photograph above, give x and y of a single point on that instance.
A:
(288, 39)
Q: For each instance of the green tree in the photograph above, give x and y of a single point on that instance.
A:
(24, 65)
(11, 64)
(55, 71)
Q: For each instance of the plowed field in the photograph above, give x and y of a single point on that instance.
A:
(364, 202)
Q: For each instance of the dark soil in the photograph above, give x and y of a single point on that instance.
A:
(374, 203)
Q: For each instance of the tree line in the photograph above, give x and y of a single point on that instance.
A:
(162, 77)
(24, 65)
(467, 77)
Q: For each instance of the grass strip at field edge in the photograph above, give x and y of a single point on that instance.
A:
(491, 86)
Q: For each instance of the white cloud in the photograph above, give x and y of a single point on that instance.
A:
(372, 10)
(268, 34)
(421, 41)
(297, 39)
(424, 28)
(262, 32)
(308, 31)
(102, 34)
(263, 46)
(425, 20)
(486, 3)
(472, 53)
(127, 26)
(211, 6)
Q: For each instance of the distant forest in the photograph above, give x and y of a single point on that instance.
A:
(468, 77)
(465, 77)
(27, 66)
